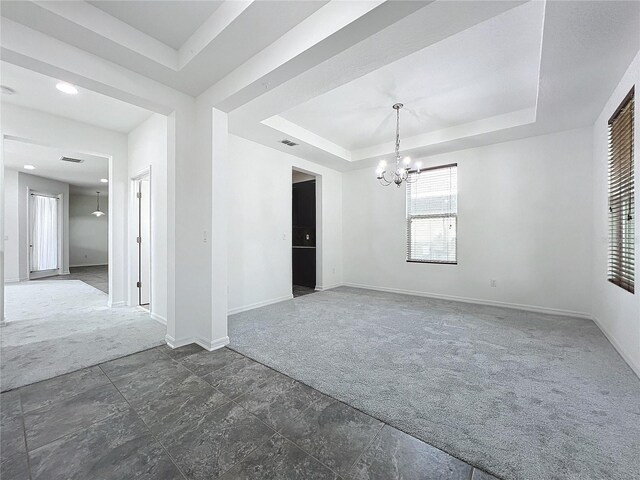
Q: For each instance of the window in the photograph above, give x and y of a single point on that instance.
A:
(432, 214)
(621, 196)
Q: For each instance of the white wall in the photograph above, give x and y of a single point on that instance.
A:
(27, 183)
(11, 252)
(616, 311)
(88, 234)
(147, 148)
(51, 130)
(189, 291)
(524, 219)
(259, 228)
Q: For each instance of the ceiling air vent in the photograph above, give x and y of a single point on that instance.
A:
(288, 143)
(72, 160)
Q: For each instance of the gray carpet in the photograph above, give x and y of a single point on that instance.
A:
(95, 275)
(521, 395)
(55, 327)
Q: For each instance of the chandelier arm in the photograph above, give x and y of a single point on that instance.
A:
(411, 178)
(384, 181)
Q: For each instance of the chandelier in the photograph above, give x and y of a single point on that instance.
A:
(98, 212)
(403, 166)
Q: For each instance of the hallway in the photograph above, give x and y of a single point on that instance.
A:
(95, 275)
(58, 326)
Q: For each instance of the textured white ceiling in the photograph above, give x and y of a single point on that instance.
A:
(152, 25)
(487, 70)
(325, 74)
(171, 22)
(85, 175)
(39, 92)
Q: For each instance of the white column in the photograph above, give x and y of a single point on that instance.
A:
(219, 219)
(2, 220)
(189, 226)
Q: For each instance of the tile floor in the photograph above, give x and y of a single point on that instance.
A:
(97, 276)
(192, 414)
(299, 290)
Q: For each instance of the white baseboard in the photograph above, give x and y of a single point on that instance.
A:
(203, 342)
(264, 303)
(212, 344)
(173, 343)
(90, 265)
(111, 304)
(158, 318)
(322, 288)
(12, 280)
(494, 303)
(626, 357)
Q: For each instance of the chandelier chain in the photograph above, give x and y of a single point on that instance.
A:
(397, 136)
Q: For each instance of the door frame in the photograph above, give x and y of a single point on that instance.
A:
(59, 270)
(134, 251)
(319, 223)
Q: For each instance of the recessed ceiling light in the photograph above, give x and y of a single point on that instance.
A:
(7, 90)
(104, 180)
(67, 88)
(29, 167)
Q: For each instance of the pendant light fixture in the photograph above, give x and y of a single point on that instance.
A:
(403, 166)
(98, 212)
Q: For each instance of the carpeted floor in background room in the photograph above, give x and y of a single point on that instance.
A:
(522, 395)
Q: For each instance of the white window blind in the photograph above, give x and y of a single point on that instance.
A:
(432, 215)
(622, 196)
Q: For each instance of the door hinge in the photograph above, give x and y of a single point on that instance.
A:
(138, 240)
(139, 194)
(138, 284)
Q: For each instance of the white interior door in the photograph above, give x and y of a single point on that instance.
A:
(144, 241)
(43, 234)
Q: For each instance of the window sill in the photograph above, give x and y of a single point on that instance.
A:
(431, 262)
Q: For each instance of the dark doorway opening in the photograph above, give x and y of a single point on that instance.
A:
(304, 234)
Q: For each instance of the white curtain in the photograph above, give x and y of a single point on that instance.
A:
(44, 233)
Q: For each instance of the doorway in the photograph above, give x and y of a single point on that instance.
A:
(45, 242)
(304, 233)
(143, 195)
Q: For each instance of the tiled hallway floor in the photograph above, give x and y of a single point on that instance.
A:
(299, 291)
(188, 413)
(97, 276)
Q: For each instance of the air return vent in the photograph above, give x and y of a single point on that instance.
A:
(72, 160)
(288, 143)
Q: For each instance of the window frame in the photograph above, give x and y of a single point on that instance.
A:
(410, 217)
(615, 253)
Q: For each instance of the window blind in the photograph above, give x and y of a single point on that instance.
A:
(432, 215)
(621, 196)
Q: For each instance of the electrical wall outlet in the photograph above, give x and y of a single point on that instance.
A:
(492, 283)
